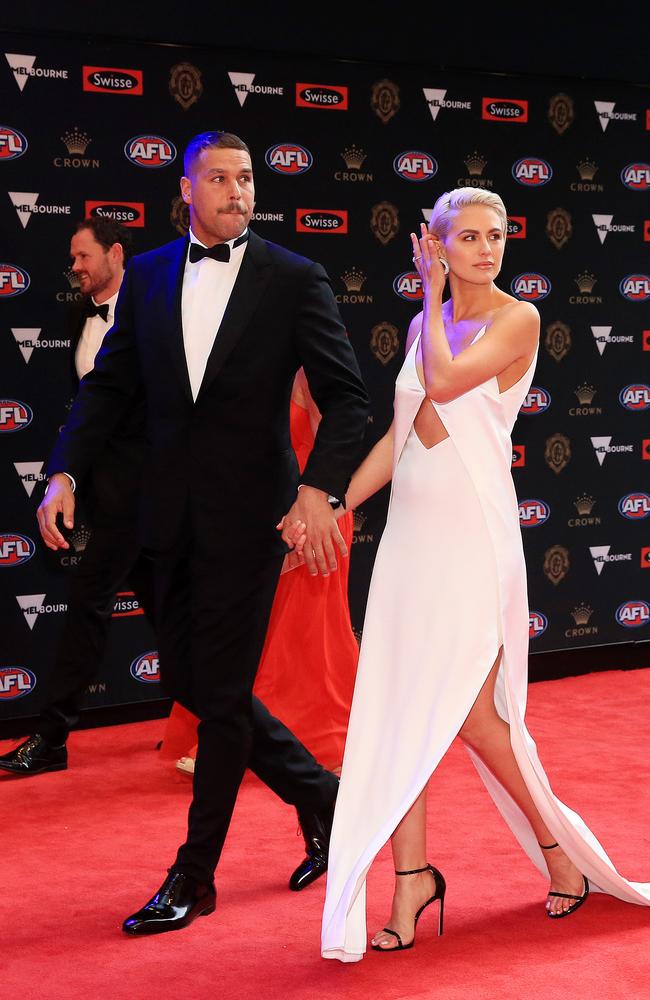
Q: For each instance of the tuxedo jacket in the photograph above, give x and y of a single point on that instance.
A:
(222, 467)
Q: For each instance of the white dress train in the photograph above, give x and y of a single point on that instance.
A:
(452, 540)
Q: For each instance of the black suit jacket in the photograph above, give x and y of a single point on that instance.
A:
(222, 467)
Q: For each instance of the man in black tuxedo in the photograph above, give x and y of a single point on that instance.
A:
(210, 332)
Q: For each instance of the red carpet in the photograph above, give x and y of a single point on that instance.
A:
(85, 847)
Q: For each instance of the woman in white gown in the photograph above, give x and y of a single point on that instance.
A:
(452, 540)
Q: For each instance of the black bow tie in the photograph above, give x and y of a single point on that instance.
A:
(91, 309)
(220, 251)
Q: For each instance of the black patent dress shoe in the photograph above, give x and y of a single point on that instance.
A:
(316, 829)
(33, 756)
(179, 900)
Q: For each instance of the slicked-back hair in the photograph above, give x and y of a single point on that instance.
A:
(210, 140)
(452, 201)
(107, 232)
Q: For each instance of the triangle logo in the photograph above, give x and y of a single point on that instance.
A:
(20, 67)
(604, 110)
(599, 555)
(601, 447)
(26, 338)
(602, 224)
(29, 474)
(31, 606)
(434, 99)
(242, 82)
(23, 202)
(601, 336)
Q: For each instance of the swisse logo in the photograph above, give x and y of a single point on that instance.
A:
(635, 397)
(321, 220)
(530, 286)
(600, 555)
(408, 285)
(112, 80)
(537, 624)
(516, 227)
(633, 614)
(15, 550)
(532, 513)
(146, 668)
(14, 416)
(635, 176)
(634, 506)
(321, 95)
(12, 143)
(150, 151)
(16, 682)
(537, 401)
(14, 280)
(496, 109)
(532, 172)
(126, 605)
(635, 287)
(414, 165)
(288, 158)
(128, 213)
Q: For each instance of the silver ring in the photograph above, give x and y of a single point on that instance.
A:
(417, 258)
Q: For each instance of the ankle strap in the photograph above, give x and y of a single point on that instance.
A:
(414, 871)
(547, 847)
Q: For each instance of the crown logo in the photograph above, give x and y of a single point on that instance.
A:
(76, 141)
(584, 504)
(587, 169)
(586, 281)
(72, 278)
(475, 164)
(582, 613)
(353, 157)
(358, 520)
(353, 279)
(80, 538)
(585, 394)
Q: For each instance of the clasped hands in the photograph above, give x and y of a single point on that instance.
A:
(310, 530)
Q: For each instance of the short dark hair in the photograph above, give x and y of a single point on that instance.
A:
(107, 232)
(210, 140)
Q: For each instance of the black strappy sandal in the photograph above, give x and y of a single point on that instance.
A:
(579, 900)
(441, 888)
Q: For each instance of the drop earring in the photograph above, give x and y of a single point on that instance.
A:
(445, 265)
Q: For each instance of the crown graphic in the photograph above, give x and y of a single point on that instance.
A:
(358, 520)
(80, 538)
(73, 279)
(475, 163)
(76, 141)
(585, 393)
(581, 614)
(586, 281)
(353, 279)
(584, 504)
(353, 157)
(587, 169)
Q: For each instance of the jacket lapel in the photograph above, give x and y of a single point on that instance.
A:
(174, 265)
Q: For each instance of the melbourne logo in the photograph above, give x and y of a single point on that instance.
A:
(13, 280)
(635, 176)
(635, 397)
(634, 506)
(15, 550)
(14, 416)
(408, 285)
(150, 151)
(12, 143)
(244, 85)
(532, 513)
(23, 69)
(415, 166)
(537, 401)
(288, 158)
(27, 338)
(321, 95)
(532, 172)
(26, 205)
(33, 605)
(16, 682)
(633, 614)
(29, 474)
(530, 286)
(496, 109)
(321, 220)
(110, 80)
(437, 99)
(604, 224)
(635, 287)
(603, 447)
(603, 336)
(600, 555)
(606, 114)
(146, 668)
(128, 213)
(537, 624)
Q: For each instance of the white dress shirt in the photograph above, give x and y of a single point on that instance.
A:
(91, 337)
(207, 286)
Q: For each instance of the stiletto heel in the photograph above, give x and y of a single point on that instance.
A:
(441, 888)
(579, 900)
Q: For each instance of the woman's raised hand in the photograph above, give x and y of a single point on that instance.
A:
(427, 254)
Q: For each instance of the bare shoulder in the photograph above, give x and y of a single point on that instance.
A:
(518, 319)
(414, 329)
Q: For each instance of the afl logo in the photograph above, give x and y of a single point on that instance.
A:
(635, 288)
(16, 682)
(146, 668)
(530, 286)
(321, 220)
(15, 550)
(537, 623)
(321, 95)
(633, 614)
(532, 172)
(14, 416)
(635, 397)
(532, 513)
(537, 401)
(635, 176)
(12, 143)
(415, 166)
(288, 158)
(13, 280)
(634, 506)
(408, 286)
(150, 151)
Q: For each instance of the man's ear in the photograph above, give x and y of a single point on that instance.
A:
(186, 190)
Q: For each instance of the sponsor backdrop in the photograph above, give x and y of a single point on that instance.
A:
(348, 159)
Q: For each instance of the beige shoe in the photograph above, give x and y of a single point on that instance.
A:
(185, 764)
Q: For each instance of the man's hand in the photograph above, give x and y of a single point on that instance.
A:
(59, 499)
(310, 527)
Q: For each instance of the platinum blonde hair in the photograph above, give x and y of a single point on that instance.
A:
(451, 202)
